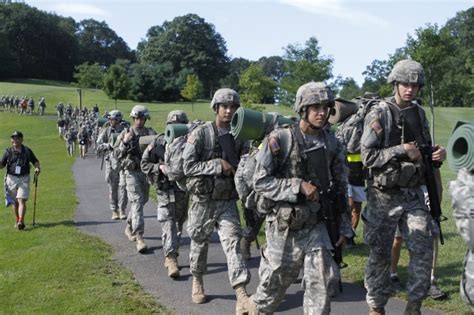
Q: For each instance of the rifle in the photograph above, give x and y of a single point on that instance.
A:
(254, 222)
(227, 144)
(412, 120)
(35, 181)
(329, 201)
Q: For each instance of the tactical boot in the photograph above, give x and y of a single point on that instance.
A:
(377, 311)
(244, 304)
(413, 308)
(245, 248)
(122, 215)
(171, 263)
(198, 295)
(141, 246)
(115, 215)
(128, 232)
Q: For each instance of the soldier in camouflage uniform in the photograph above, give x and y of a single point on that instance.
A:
(395, 195)
(289, 189)
(114, 175)
(462, 194)
(172, 201)
(211, 183)
(127, 151)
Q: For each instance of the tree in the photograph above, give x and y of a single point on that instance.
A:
(457, 84)
(348, 88)
(89, 75)
(256, 85)
(273, 67)
(192, 89)
(302, 65)
(377, 73)
(187, 42)
(234, 68)
(116, 83)
(36, 44)
(98, 43)
(432, 49)
(156, 82)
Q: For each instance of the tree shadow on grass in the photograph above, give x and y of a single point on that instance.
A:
(52, 224)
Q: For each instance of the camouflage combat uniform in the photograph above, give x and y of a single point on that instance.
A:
(138, 187)
(462, 193)
(213, 205)
(296, 235)
(394, 199)
(172, 201)
(114, 175)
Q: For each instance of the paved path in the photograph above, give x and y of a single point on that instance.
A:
(93, 217)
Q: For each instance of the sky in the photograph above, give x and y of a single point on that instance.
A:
(352, 32)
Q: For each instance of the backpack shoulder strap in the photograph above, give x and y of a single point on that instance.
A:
(386, 119)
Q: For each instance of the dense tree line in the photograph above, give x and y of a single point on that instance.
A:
(187, 56)
(36, 44)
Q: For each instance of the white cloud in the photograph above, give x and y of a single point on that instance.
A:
(336, 9)
(79, 9)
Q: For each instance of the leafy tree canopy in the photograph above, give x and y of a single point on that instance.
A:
(303, 64)
(187, 42)
(116, 83)
(256, 85)
(192, 89)
(98, 43)
(89, 75)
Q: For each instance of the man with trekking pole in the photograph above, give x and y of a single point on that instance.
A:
(17, 160)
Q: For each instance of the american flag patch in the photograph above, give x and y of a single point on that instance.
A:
(273, 145)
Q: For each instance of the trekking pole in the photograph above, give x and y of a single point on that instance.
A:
(35, 181)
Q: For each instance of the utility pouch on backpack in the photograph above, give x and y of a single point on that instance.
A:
(398, 174)
(296, 216)
(224, 188)
(200, 185)
(411, 174)
(265, 205)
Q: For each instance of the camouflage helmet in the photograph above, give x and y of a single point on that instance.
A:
(407, 71)
(139, 111)
(115, 115)
(225, 96)
(177, 117)
(313, 93)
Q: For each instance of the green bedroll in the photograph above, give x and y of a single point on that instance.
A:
(249, 124)
(173, 131)
(461, 147)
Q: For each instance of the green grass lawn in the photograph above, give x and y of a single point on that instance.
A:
(53, 267)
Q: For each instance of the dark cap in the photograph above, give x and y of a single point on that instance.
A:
(16, 134)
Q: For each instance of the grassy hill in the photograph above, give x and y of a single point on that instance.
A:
(54, 268)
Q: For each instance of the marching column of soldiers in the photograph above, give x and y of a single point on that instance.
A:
(21, 105)
(299, 186)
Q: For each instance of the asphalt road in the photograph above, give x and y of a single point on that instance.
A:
(93, 217)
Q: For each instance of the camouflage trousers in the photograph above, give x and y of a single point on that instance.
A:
(286, 253)
(172, 213)
(204, 215)
(138, 190)
(115, 178)
(385, 211)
